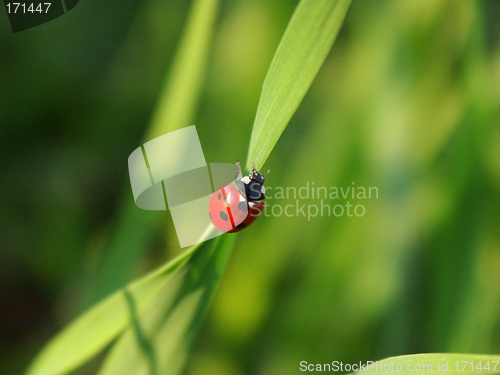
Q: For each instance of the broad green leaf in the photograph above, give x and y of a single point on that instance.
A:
(436, 363)
(159, 340)
(95, 329)
(302, 50)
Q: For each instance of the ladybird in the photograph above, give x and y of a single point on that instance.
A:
(233, 208)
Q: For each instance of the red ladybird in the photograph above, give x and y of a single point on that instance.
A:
(233, 208)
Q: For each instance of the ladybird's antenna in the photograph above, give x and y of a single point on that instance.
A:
(238, 170)
(253, 166)
(268, 172)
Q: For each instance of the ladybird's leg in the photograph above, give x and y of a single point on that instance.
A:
(238, 182)
(241, 188)
(238, 170)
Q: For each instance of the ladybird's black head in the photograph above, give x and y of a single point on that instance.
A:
(251, 186)
(257, 177)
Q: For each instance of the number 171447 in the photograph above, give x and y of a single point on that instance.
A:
(27, 8)
(478, 366)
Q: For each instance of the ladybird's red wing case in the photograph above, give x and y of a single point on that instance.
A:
(239, 210)
(218, 212)
(255, 209)
(226, 208)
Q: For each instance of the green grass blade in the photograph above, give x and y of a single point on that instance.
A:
(302, 50)
(430, 364)
(97, 327)
(159, 340)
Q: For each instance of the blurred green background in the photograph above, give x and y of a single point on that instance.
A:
(408, 101)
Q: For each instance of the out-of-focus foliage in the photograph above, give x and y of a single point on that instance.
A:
(408, 102)
(158, 316)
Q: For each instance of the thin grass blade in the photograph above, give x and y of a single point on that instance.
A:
(302, 50)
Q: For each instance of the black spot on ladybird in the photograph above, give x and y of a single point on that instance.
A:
(219, 196)
(242, 225)
(243, 207)
(223, 216)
